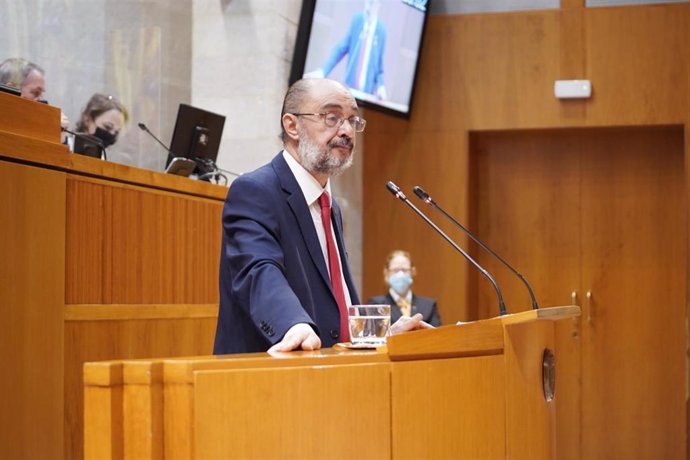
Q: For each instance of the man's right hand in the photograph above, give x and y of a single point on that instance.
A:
(301, 335)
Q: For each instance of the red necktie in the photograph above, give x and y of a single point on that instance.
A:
(334, 267)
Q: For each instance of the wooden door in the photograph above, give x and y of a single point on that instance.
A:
(599, 211)
(634, 255)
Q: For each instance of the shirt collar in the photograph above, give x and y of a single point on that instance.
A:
(311, 189)
(395, 295)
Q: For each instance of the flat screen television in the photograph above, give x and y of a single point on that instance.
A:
(197, 136)
(372, 46)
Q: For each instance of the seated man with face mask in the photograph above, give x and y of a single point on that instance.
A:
(399, 273)
(104, 118)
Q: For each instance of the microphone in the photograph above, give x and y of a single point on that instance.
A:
(144, 128)
(395, 190)
(422, 195)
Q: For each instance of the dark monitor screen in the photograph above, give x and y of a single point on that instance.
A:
(197, 134)
(10, 89)
(372, 46)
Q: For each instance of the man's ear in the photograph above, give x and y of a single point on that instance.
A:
(290, 126)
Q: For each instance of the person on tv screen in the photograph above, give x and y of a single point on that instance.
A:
(103, 117)
(365, 45)
(399, 273)
(285, 282)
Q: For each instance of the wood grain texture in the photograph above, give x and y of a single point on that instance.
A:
(103, 411)
(267, 413)
(591, 213)
(487, 76)
(530, 419)
(131, 245)
(449, 408)
(32, 258)
(634, 263)
(638, 78)
(99, 340)
(29, 119)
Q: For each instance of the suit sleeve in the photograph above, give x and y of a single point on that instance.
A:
(252, 227)
(435, 319)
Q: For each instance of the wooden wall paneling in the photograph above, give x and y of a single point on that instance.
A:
(446, 408)
(32, 258)
(508, 66)
(134, 245)
(392, 225)
(570, 4)
(526, 190)
(640, 77)
(276, 423)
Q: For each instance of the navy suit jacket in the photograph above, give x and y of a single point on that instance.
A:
(272, 272)
(424, 305)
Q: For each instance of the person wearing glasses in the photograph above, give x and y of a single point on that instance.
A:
(285, 282)
(399, 273)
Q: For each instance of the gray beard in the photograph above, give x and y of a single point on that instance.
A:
(318, 160)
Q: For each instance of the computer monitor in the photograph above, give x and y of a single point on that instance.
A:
(197, 135)
(10, 90)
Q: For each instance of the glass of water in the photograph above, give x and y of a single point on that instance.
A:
(369, 324)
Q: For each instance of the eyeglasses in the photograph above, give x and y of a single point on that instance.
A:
(333, 120)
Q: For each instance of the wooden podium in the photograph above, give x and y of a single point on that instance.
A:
(98, 260)
(473, 390)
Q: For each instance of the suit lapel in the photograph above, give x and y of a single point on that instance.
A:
(298, 205)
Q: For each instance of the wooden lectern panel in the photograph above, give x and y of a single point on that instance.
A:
(32, 251)
(334, 412)
(449, 408)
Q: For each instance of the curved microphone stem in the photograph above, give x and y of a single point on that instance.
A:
(422, 195)
(145, 128)
(395, 190)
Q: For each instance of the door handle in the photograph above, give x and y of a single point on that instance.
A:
(590, 306)
(576, 329)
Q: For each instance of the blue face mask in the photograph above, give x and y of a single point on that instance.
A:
(400, 282)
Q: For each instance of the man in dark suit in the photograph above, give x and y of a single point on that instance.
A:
(285, 283)
(399, 273)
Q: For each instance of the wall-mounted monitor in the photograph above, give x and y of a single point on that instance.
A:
(372, 46)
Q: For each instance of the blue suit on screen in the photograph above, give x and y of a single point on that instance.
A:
(272, 272)
(353, 45)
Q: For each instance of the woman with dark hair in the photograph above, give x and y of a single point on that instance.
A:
(103, 117)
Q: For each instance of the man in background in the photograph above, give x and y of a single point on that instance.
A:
(399, 273)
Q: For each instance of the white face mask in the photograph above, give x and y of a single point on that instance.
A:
(400, 282)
